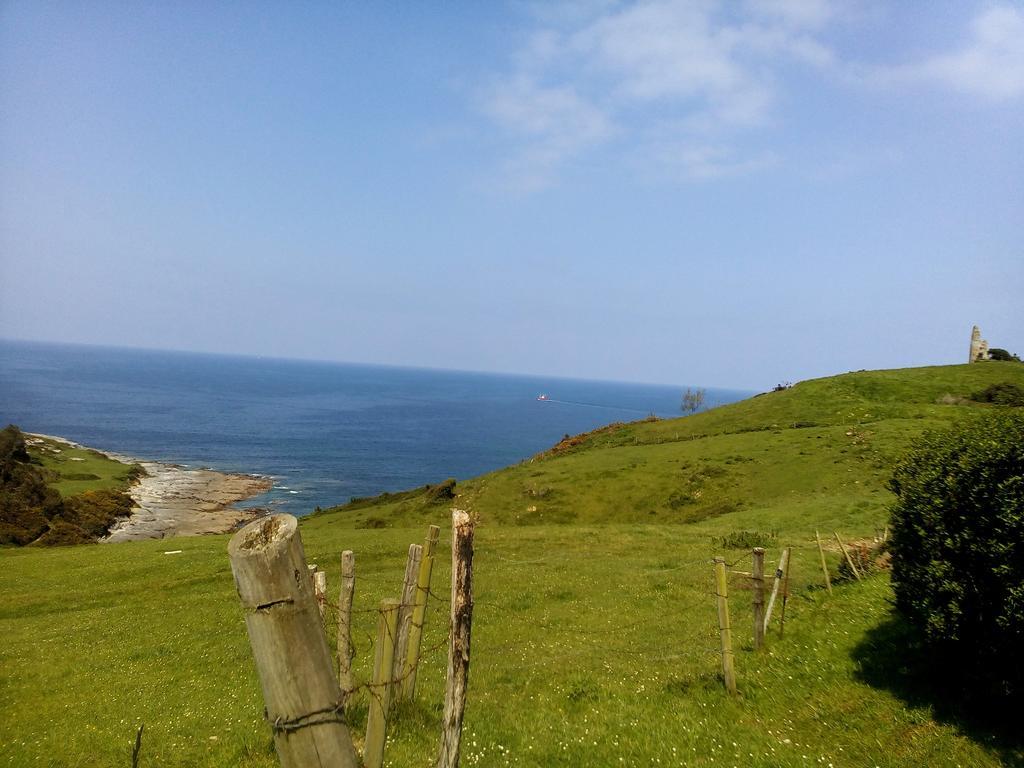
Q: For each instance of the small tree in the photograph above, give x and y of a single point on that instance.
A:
(1002, 355)
(693, 400)
(958, 547)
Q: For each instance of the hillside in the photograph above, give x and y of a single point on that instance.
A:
(53, 492)
(816, 453)
(594, 636)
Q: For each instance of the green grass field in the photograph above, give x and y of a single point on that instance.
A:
(79, 469)
(594, 635)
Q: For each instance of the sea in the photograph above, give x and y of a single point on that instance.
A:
(324, 431)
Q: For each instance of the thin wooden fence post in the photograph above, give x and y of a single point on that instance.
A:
(783, 564)
(320, 587)
(824, 565)
(419, 614)
(758, 579)
(846, 554)
(300, 691)
(722, 590)
(405, 609)
(380, 690)
(345, 597)
(458, 642)
(785, 592)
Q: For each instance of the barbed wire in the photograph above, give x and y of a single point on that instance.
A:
(698, 646)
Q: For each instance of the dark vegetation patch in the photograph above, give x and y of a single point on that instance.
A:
(893, 656)
(707, 511)
(543, 492)
(958, 551)
(869, 556)
(1003, 393)
(32, 512)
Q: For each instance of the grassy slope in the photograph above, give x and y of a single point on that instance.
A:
(79, 469)
(820, 449)
(593, 642)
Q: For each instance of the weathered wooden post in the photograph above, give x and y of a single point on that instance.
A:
(722, 590)
(320, 588)
(458, 642)
(408, 600)
(785, 593)
(824, 565)
(846, 554)
(301, 693)
(345, 597)
(380, 690)
(783, 565)
(419, 614)
(758, 579)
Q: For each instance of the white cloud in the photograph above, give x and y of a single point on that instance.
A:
(636, 69)
(697, 76)
(989, 65)
(555, 120)
(797, 13)
(704, 161)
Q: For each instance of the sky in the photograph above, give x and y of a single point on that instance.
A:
(728, 194)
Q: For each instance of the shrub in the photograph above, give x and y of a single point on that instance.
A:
(868, 557)
(958, 547)
(442, 492)
(1004, 393)
(693, 400)
(1001, 354)
(95, 511)
(27, 504)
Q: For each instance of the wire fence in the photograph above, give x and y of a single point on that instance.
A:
(660, 617)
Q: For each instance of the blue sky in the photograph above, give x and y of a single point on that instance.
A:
(730, 194)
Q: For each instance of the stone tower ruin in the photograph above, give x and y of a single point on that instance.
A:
(979, 347)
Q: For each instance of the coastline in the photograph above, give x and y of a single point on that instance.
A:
(172, 500)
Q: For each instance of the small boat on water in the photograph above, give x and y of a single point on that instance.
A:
(543, 397)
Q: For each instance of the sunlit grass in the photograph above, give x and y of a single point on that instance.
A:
(595, 643)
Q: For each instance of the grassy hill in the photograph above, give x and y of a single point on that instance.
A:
(595, 635)
(73, 470)
(53, 493)
(820, 450)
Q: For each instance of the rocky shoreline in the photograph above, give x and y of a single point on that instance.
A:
(172, 500)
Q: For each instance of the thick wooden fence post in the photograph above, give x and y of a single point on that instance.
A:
(458, 642)
(405, 609)
(758, 579)
(300, 691)
(783, 565)
(846, 554)
(824, 565)
(380, 690)
(419, 614)
(345, 597)
(722, 590)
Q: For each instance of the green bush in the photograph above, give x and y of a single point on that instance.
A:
(1002, 355)
(1005, 393)
(27, 503)
(958, 548)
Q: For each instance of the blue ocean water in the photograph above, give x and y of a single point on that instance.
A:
(324, 431)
